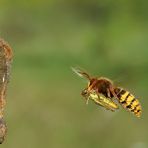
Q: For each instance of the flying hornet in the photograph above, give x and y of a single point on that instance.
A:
(103, 92)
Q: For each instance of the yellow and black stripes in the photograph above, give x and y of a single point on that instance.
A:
(128, 101)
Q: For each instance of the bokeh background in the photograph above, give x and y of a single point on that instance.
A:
(104, 37)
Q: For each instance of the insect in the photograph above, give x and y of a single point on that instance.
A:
(99, 99)
(103, 92)
(5, 64)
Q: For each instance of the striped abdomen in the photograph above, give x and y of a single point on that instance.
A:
(128, 101)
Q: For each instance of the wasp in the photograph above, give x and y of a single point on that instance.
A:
(103, 92)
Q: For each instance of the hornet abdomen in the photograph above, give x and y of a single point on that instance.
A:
(128, 101)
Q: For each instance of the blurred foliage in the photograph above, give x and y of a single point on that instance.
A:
(44, 106)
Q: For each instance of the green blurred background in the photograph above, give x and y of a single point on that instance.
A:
(44, 106)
